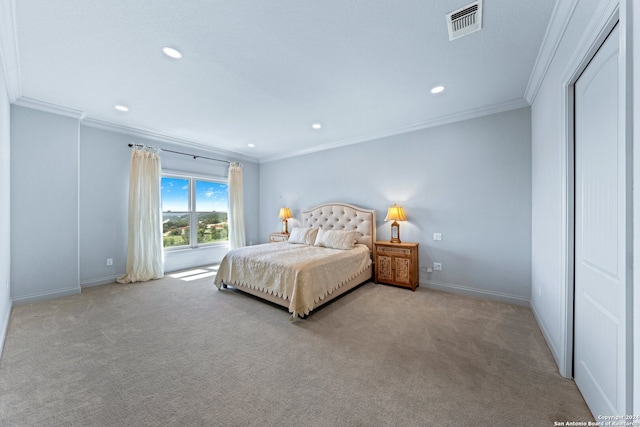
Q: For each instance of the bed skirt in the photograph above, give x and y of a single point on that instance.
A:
(361, 278)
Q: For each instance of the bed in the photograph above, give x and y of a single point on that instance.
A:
(303, 276)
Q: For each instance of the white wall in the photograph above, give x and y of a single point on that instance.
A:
(470, 181)
(5, 220)
(551, 286)
(636, 203)
(547, 189)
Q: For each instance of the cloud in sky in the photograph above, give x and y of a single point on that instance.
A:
(210, 196)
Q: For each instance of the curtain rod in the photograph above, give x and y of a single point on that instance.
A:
(184, 154)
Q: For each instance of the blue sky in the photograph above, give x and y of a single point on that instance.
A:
(210, 196)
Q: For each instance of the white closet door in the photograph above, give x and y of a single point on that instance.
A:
(600, 345)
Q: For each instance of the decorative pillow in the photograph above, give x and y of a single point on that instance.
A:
(335, 239)
(303, 236)
(297, 235)
(310, 237)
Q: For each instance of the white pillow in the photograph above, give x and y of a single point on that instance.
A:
(335, 239)
(303, 236)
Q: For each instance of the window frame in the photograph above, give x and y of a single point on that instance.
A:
(193, 214)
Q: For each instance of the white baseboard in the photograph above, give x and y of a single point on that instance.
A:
(107, 280)
(46, 296)
(100, 281)
(545, 333)
(4, 325)
(478, 293)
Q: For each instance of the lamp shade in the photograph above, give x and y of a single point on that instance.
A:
(285, 213)
(395, 213)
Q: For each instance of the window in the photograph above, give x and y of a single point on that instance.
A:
(194, 211)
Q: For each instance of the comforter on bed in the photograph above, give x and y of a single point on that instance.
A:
(302, 274)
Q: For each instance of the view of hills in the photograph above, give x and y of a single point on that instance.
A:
(212, 227)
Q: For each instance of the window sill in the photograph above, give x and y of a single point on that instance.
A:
(189, 248)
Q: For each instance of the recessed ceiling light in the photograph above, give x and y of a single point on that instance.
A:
(171, 52)
(316, 125)
(121, 108)
(251, 145)
(437, 89)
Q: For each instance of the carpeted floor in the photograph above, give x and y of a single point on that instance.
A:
(177, 352)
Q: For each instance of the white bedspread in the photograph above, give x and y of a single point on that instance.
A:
(302, 274)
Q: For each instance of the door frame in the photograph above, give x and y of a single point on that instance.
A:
(634, 55)
(605, 19)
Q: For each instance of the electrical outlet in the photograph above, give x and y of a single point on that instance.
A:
(437, 266)
(437, 236)
(109, 261)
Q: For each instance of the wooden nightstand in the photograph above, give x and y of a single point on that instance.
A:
(278, 237)
(397, 263)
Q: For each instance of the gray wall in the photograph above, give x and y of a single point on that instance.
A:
(104, 178)
(470, 181)
(69, 203)
(44, 205)
(104, 186)
(5, 220)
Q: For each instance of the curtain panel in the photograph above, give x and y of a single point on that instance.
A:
(145, 256)
(236, 207)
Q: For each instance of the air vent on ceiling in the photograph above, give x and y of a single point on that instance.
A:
(465, 20)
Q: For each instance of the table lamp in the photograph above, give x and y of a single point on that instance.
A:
(396, 214)
(285, 214)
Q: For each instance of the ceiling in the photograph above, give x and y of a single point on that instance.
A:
(262, 72)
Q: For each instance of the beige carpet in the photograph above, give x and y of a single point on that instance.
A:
(181, 353)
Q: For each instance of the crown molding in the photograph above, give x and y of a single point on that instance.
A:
(9, 49)
(47, 107)
(156, 136)
(560, 17)
(135, 132)
(438, 121)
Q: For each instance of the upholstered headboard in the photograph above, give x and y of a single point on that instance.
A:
(342, 216)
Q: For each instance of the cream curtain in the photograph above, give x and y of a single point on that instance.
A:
(145, 258)
(236, 207)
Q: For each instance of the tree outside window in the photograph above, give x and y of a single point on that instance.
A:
(194, 211)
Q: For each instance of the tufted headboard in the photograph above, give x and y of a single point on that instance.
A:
(342, 216)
